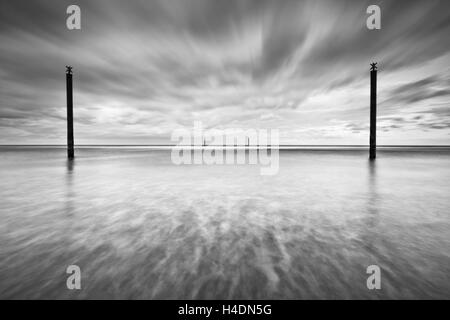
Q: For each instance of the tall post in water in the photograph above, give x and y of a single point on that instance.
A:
(373, 111)
(70, 149)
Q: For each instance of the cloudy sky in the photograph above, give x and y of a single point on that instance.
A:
(145, 68)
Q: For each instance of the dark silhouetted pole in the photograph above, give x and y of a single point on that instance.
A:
(70, 151)
(373, 111)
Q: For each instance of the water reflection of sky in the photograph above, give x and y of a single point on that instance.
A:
(140, 227)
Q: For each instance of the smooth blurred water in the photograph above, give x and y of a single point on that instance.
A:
(140, 227)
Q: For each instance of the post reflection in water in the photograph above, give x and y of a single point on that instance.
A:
(373, 202)
(70, 195)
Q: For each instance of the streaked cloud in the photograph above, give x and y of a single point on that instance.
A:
(145, 68)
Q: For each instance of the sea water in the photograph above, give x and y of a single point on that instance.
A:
(141, 227)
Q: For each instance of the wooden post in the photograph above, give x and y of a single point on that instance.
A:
(70, 149)
(373, 111)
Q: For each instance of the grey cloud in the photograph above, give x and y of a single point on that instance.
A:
(439, 111)
(400, 43)
(169, 61)
(416, 85)
(424, 89)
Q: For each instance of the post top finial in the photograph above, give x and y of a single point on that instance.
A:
(68, 70)
(373, 66)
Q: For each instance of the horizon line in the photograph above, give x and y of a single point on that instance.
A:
(188, 145)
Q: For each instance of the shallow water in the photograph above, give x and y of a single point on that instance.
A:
(140, 227)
